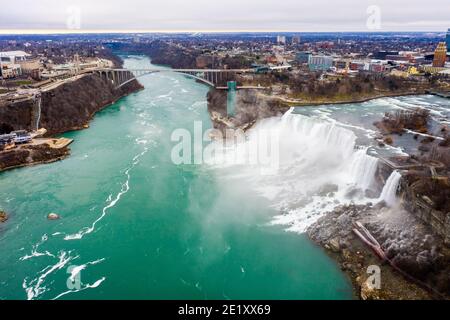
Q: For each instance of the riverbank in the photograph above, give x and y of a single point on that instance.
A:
(39, 151)
(67, 107)
(409, 243)
(32, 154)
(319, 102)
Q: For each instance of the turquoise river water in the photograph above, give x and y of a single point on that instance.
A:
(136, 226)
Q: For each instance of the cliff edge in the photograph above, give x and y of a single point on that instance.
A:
(66, 107)
(69, 106)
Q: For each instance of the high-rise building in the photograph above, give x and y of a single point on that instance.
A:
(320, 63)
(440, 55)
(447, 39)
(295, 40)
(302, 56)
(281, 40)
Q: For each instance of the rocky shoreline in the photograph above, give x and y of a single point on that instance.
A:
(33, 154)
(410, 244)
(3, 216)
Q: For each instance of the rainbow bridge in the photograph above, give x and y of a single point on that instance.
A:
(216, 78)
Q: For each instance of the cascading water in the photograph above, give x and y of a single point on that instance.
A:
(38, 111)
(389, 192)
(318, 167)
(363, 168)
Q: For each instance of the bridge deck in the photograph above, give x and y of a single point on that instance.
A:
(243, 87)
(211, 77)
(180, 70)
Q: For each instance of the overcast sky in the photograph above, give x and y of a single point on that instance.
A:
(226, 15)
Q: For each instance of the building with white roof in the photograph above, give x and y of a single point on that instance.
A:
(10, 63)
(13, 56)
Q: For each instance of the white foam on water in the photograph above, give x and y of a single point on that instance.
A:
(413, 103)
(395, 150)
(424, 134)
(111, 201)
(34, 250)
(87, 286)
(167, 96)
(392, 103)
(35, 287)
(369, 132)
(141, 141)
(427, 106)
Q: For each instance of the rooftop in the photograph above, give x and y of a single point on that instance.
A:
(13, 53)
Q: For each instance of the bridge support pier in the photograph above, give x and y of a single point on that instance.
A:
(231, 98)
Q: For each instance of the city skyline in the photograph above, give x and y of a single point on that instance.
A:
(84, 16)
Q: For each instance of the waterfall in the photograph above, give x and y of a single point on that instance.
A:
(318, 168)
(389, 192)
(36, 111)
(363, 168)
(39, 111)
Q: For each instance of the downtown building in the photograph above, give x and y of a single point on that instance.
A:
(320, 63)
(281, 40)
(302, 56)
(440, 55)
(447, 40)
(375, 66)
(10, 63)
(295, 40)
(18, 63)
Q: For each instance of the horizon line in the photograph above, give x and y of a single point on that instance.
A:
(150, 31)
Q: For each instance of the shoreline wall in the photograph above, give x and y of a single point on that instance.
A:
(437, 220)
(31, 155)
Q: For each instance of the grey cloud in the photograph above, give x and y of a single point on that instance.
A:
(295, 15)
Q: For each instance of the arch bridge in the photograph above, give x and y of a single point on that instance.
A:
(216, 78)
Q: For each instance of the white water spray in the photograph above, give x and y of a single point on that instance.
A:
(319, 168)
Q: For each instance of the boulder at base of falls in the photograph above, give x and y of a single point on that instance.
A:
(53, 216)
(3, 216)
